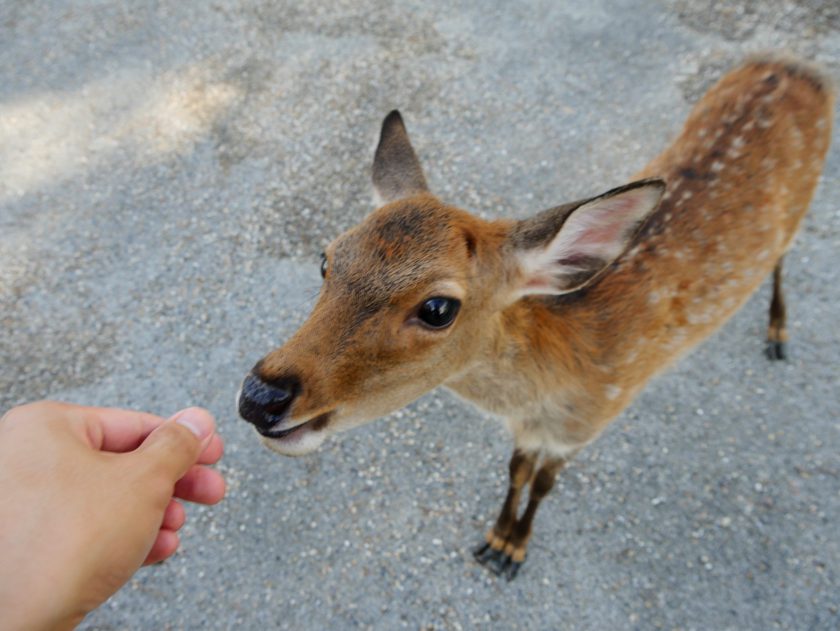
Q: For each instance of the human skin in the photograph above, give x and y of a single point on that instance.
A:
(89, 495)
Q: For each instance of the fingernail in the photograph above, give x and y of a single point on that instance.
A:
(198, 421)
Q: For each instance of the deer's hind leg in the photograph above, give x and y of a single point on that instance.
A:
(777, 336)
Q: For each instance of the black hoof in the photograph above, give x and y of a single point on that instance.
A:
(481, 552)
(496, 561)
(513, 570)
(776, 350)
(489, 558)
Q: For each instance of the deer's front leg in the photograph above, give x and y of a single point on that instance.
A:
(491, 552)
(505, 548)
(517, 543)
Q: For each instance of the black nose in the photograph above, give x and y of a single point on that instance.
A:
(266, 404)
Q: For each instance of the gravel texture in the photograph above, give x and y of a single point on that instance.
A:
(169, 172)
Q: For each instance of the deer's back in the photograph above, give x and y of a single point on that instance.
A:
(740, 177)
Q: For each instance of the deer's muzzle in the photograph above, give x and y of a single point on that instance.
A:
(266, 405)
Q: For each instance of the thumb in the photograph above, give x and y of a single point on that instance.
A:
(175, 446)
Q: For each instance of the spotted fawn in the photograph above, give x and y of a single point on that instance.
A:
(553, 323)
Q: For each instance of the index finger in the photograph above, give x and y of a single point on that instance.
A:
(118, 430)
(115, 429)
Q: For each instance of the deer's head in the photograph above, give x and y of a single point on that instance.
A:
(412, 295)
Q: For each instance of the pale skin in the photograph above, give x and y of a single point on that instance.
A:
(89, 495)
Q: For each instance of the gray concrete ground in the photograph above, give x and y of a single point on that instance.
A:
(169, 172)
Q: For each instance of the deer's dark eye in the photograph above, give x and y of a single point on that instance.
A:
(438, 312)
(324, 265)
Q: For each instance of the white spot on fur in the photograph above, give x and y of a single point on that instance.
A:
(612, 392)
(633, 354)
(695, 318)
(736, 149)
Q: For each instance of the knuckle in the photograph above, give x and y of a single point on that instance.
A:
(30, 412)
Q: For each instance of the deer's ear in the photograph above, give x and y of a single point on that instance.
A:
(396, 170)
(563, 249)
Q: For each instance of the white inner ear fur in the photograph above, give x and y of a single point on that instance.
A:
(596, 231)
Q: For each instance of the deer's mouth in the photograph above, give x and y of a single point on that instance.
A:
(312, 425)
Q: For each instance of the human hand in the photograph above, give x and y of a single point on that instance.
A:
(87, 497)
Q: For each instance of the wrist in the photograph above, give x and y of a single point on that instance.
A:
(30, 608)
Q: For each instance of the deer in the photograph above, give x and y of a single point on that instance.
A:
(553, 323)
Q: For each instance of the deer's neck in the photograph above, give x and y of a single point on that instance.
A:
(535, 361)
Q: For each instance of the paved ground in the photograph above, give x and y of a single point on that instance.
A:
(169, 173)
